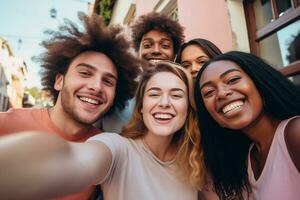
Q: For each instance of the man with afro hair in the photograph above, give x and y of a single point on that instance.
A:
(156, 36)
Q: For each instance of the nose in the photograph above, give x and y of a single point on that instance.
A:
(164, 101)
(156, 49)
(195, 68)
(96, 85)
(223, 92)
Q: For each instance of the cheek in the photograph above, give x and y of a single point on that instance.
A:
(258, 102)
(145, 106)
(209, 105)
(189, 68)
(143, 52)
(182, 109)
(170, 53)
(145, 112)
(198, 66)
(110, 93)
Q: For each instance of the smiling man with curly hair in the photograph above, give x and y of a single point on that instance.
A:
(89, 73)
(157, 36)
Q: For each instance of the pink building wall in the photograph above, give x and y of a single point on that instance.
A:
(206, 19)
(144, 6)
(201, 18)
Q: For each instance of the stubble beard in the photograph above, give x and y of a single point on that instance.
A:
(66, 97)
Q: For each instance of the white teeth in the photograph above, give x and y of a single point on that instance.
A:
(163, 116)
(154, 61)
(89, 100)
(233, 106)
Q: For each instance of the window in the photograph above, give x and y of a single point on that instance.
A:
(274, 33)
(168, 7)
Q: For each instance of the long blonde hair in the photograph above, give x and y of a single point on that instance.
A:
(189, 155)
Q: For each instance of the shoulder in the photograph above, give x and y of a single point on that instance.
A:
(292, 138)
(14, 115)
(107, 136)
(20, 111)
(113, 141)
(116, 144)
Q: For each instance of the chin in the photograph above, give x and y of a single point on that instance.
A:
(238, 126)
(164, 133)
(86, 120)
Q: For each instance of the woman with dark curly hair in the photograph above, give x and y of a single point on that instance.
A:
(158, 155)
(249, 123)
(193, 54)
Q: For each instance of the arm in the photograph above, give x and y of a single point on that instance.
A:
(292, 138)
(41, 166)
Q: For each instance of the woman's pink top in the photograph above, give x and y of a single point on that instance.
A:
(280, 178)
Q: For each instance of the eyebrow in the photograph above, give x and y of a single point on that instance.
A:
(162, 39)
(94, 68)
(196, 58)
(203, 56)
(159, 89)
(221, 76)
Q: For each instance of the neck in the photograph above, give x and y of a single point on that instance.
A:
(160, 146)
(262, 131)
(65, 122)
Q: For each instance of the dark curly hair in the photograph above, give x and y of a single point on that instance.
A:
(226, 150)
(67, 43)
(209, 48)
(159, 22)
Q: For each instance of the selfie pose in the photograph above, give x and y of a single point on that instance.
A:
(157, 157)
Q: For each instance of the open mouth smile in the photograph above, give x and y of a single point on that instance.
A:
(154, 60)
(90, 100)
(163, 116)
(232, 106)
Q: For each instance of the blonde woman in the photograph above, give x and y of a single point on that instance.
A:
(157, 157)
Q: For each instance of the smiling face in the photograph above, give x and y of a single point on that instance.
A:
(193, 58)
(230, 96)
(165, 104)
(87, 90)
(156, 45)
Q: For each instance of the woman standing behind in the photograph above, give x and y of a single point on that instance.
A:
(158, 156)
(194, 54)
(250, 128)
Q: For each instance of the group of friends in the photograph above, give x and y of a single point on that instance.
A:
(178, 120)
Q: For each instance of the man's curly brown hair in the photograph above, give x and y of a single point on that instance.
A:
(67, 43)
(159, 22)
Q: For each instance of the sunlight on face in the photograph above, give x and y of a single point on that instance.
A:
(165, 104)
(230, 95)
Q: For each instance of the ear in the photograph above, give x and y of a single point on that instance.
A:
(59, 82)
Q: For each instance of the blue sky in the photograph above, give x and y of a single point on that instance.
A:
(22, 23)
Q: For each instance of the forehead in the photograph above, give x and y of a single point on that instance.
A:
(159, 81)
(99, 62)
(192, 51)
(156, 36)
(217, 68)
